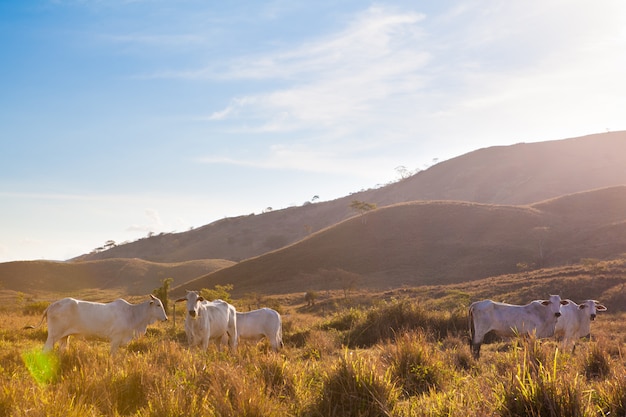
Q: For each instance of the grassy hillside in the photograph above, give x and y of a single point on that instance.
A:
(504, 175)
(129, 276)
(440, 242)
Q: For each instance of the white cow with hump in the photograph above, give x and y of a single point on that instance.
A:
(575, 321)
(256, 324)
(208, 320)
(118, 321)
(538, 317)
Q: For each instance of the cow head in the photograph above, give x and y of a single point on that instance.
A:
(157, 306)
(192, 298)
(591, 307)
(555, 303)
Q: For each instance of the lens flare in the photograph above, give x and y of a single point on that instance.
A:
(43, 366)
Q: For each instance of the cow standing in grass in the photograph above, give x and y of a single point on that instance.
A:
(575, 321)
(262, 323)
(118, 321)
(538, 317)
(208, 320)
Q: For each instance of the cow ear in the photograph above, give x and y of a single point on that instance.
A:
(200, 298)
(582, 306)
(600, 307)
(564, 302)
(545, 302)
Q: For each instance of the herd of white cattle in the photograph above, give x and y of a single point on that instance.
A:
(219, 321)
(120, 321)
(563, 319)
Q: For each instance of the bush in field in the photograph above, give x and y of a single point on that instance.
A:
(415, 365)
(35, 308)
(612, 398)
(388, 320)
(538, 388)
(221, 292)
(345, 320)
(353, 387)
(596, 363)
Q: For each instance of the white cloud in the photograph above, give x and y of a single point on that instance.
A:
(335, 81)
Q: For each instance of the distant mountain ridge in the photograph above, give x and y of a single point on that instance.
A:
(524, 173)
(488, 212)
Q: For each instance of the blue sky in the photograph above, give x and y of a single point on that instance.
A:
(123, 117)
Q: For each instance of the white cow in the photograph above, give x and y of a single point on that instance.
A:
(118, 321)
(575, 321)
(257, 324)
(538, 317)
(209, 320)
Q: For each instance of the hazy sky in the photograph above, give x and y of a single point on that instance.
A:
(124, 117)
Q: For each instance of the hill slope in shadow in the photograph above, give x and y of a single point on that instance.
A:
(130, 276)
(437, 242)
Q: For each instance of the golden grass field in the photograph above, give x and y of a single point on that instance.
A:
(360, 353)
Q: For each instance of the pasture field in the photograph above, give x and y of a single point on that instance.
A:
(356, 356)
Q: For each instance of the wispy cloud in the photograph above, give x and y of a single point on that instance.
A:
(336, 82)
(402, 78)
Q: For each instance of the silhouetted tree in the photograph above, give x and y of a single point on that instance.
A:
(162, 291)
(362, 207)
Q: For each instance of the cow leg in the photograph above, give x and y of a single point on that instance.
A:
(475, 349)
(224, 340)
(49, 345)
(64, 343)
(115, 344)
(218, 343)
(477, 336)
(232, 342)
(476, 340)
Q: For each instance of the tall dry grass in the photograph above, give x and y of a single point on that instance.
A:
(409, 362)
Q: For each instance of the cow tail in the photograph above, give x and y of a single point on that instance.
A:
(43, 317)
(280, 336)
(472, 329)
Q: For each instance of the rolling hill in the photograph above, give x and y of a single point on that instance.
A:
(492, 211)
(519, 174)
(129, 276)
(438, 242)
